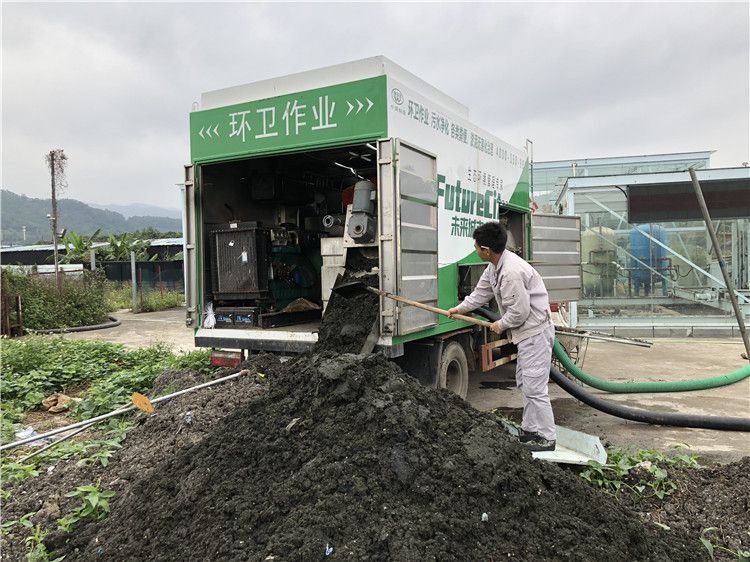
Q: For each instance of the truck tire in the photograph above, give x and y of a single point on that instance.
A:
(454, 369)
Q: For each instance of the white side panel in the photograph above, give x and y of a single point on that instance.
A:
(387, 232)
(477, 172)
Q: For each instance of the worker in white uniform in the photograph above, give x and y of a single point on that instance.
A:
(524, 303)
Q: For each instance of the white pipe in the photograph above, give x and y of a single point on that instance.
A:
(65, 438)
(97, 419)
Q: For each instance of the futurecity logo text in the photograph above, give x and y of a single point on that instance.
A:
(467, 202)
(338, 113)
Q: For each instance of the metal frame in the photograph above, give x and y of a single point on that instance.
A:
(487, 362)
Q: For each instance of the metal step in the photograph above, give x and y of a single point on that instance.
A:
(573, 447)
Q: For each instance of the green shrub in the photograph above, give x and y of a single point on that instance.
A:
(81, 300)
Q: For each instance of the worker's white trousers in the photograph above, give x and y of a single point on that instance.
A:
(532, 377)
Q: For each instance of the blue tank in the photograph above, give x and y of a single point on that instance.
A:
(651, 254)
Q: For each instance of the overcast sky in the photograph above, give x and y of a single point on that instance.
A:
(113, 84)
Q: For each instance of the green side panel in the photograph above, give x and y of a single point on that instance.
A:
(349, 112)
(521, 196)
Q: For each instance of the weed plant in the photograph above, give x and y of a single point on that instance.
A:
(94, 505)
(644, 472)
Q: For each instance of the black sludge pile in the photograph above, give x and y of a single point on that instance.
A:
(347, 457)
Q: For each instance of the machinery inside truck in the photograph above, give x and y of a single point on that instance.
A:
(273, 232)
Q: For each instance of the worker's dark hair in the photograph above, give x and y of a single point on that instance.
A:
(491, 235)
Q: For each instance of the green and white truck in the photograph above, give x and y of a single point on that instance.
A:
(294, 178)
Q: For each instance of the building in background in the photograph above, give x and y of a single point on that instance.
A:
(550, 177)
(648, 265)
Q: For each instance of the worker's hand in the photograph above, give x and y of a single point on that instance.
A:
(497, 327)
(452, 311)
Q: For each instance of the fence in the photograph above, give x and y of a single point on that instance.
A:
(164, 275)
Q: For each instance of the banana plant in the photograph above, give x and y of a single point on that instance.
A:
(119, 248)
(77, 247)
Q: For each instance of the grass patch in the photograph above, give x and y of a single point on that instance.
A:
(120, 297)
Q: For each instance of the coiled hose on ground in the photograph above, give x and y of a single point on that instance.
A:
(636, 414)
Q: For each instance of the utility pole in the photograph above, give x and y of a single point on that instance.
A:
(719, 255)
(53, 220)
(56, 162)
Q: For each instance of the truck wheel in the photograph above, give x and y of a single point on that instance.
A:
(454, 369)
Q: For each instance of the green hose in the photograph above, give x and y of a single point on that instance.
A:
(633, 387)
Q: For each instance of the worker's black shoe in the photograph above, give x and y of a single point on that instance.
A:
(539, 444)
(526, 436)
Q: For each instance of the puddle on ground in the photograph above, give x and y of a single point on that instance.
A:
(502, 385)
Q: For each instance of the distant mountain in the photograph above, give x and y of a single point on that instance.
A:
(140, 210)
(18, 210)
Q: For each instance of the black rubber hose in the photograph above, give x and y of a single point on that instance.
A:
(647, 416)
(636, 414)
(113, 323)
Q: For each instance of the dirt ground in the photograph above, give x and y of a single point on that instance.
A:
(668, 359)
(344, 457)
(334, 455)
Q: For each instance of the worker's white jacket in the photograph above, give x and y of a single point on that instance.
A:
(520, 293)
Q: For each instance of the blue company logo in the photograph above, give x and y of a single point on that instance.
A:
(397, 96)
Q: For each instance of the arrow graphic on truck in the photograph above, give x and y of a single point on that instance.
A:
(207, 131)
(360, 105)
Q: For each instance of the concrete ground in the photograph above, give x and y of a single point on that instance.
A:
(668, 359)
(148, 328)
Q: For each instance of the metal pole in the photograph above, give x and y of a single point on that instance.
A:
(720, 257)
(93, 259)
(133, 285)
(124, 410)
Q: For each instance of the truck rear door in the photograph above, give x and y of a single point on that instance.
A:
(556, 255)
(408, 235)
